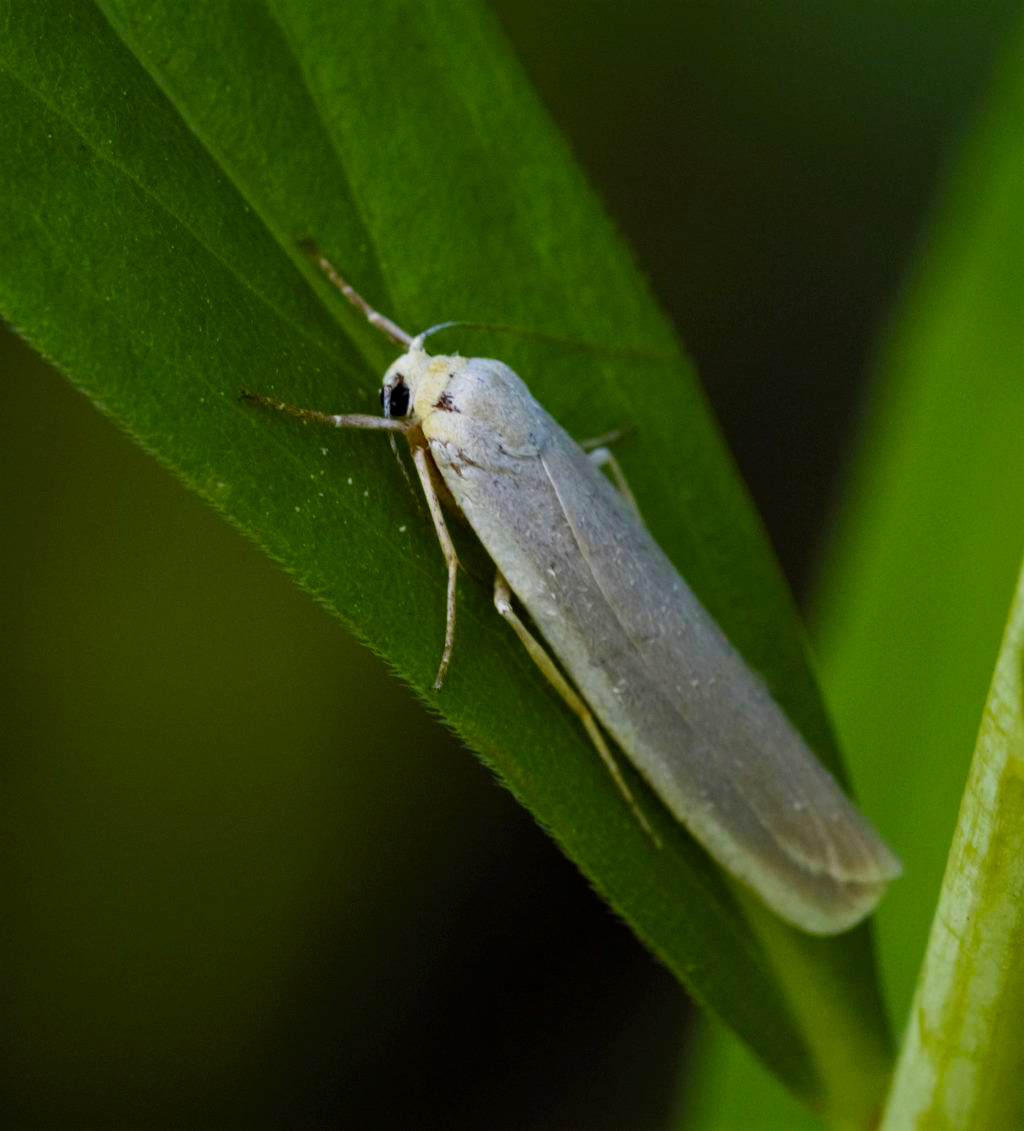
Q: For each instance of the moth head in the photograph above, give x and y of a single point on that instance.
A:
(415, 382)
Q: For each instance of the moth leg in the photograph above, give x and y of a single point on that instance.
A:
(606, 438)
(351, 420)
(387, 424)
(421, 460)
(602, 457)
(311, 416)
(503, 603)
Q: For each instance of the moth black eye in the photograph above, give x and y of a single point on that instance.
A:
(399, 400)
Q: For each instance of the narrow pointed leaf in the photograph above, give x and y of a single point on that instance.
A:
(164, 163)
(961, 1063)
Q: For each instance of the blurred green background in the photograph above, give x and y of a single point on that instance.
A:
(247, 880)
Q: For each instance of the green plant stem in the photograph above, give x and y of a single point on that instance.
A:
(962, 1064)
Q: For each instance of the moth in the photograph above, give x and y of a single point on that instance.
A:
(620, 634)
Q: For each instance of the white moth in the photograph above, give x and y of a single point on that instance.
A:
(643, 656)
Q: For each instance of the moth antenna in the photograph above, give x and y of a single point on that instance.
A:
(417, 342)
(543, 336)
(374, 317)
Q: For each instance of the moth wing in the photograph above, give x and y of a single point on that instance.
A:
(702, 727)
(664, 681)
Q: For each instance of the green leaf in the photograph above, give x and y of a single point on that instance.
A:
(924, 560)
(163, 163)
(914, 602)
(961, 1062)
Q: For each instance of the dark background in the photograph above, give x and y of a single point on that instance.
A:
(371, 933)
